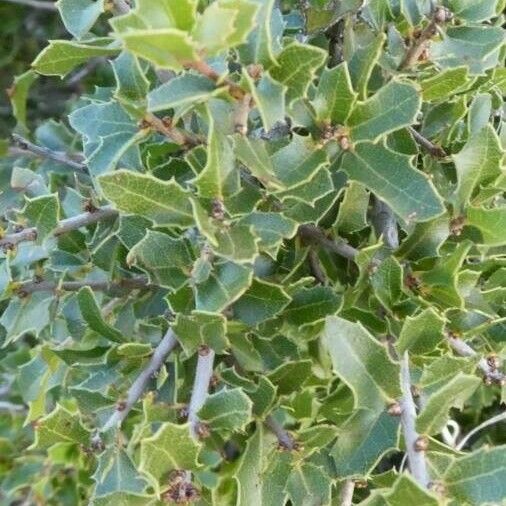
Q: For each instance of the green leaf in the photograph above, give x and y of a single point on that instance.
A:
(43, 213)
(269, 97)
(200, 328)
(183, 91)
(352, 215)
(164, 202)
(60, 426)
(290, 377)
(93, 316)
(308, 484)
(362, 363)
(363, 439)
(311, 305)
(476, 47)
(226, 283)
(363, 61)
(490, 222)
(18, 95)
(168, 261)
(117, 473)
(387, 282)
(261, 301)
(296, 67)
(62, 56)
(170, 448)
(434, 415)
(474, 11)
(79, 16)
(219, 178)
(393, 178)
(478, 163)
(334, 97)
(132, 84)
(477, 478)
(263, 43)
(394, 106)
(444, 84)
(237, 243)
(405, 490)
(110, 136)
(421, 333)
(226, 411)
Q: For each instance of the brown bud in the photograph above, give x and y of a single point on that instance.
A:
(421, 444)
(395, 409)
(487, 380)
(360, 483)
(493, 362)
(415, 391)
(215, 379)
(203, 430)
(345, 143)
(218, 210)
(204, 350)
(143, 124)
(437, 487)
(121, 406)
(255, 70)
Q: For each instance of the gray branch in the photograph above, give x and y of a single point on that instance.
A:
(28, 148)
(66, 225)
(384, 223)
(313, 234)
(285, 439)
(36, 4)
(491, 421)
(346, 496)
(203, 374)
(416, 456)
(164, 348)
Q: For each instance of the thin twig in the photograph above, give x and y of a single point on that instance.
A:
(491, 421)
(29, 287)
(203, 375)
(383, 220)
(419, 44)
(36, 4)
(9, 406)
(416, 454)
(430, 147)
(346, 497)
(315, 267)
(29, 148)
(285, 439)
(85, 71)
(241, 112)
(487, 367)
(166, 345)
(120, 7)
(165, 127)
(66, 225)
(310, 233)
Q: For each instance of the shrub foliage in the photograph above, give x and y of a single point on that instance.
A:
(260, 259)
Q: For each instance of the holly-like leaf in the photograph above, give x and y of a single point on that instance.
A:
(387, 282)
(290, 377)
(18, 95)
(62, 56)
(306, 483)
(477, 478)
(226, 411)
(334, 97)
(262, 300)
(199, 329)
(296, 67)
(164, 202)
(444, 84)
(60, 426)
(79, 16)
(132, 85)
(170, 448)
(43, 213)
(363, 439)
(362, 363)
(90, 311)
(394, 106)
(393, 178)
(168, 261)
(433, 417)
(478, 163)
(490, 222)
(421, 333)
(110, 136)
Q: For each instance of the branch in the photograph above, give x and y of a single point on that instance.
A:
(165, 127)
(241, 112)
(313, 234)
(384, 223)
(28, 148)
(8, 406)
(64, 226)
(489, 368)
(71, 286)
(285, 439)
(346, 496)
(203, 374)
(36, 4)
(413, 441)
(419, 44)
(433, 149)
(315, 267)
(164, 348)
(491, 421)
(121, 7)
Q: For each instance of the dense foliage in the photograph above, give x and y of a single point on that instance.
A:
(253, 253)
